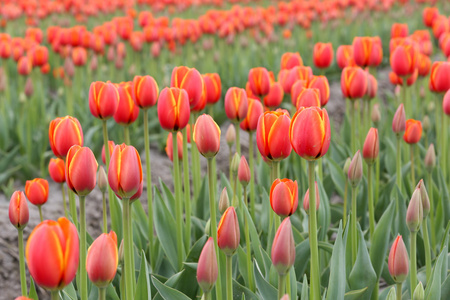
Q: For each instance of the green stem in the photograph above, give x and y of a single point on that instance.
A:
(288, 283)
(101, 293)
(131, 247)
(413, 179)
(344, 210)
(353, 130)
(107, 158)
(320, 163)
(315, 272)
(195, 157)
(213, 222)
(432, 222)
(187, 193)
(64, 200)
(178, 203)
(229, 277)
(370, 196)
(353, 228)
(73, 207)
(83, 275)
(444, 142)
(55, 295)
(40, 213)
(230, 158)
(207, 296)
(252, 176)
(126, 134)
(281, 286)
(149, 181)
(105, 221)
(238, 138)
(23, 278)
(69, 103)
(127, 250)
(377, 179)
(413, 263)
(399, 291)
(248, 249)
(399, 164)
(426, 242)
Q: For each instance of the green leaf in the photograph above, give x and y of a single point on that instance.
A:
(433, 289)
(362, 275)
(265, 290)
(391, 295)
(168, 293)
(69, 292)
(143, 290)
(242, 292)
(324, 214)
(336, 284)
(301, 258)
(32, 294)
(445, 289)
(337, 176)
(380, 239)
(305, 290)
(355, 295)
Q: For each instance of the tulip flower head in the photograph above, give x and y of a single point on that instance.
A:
(213, 87)
(56, 169)
(173, 109)
(244, 172)
(321, 83)
(275, 95)
(230, 135)
(259, 81)
(353, 82)
(207, 136)
(145, 91)
(52, 253)
(403, 58)
(63, 133)
(323, 55)
(344, 56)
(190, 80)
(224, 201)
(310, 133)
(371, 146)
(430, 158)
(81, 170)
(283, 248)
(424, 197)
(18, 210)
(236, 104)
(255, 110)
(439, 82)
(398, 261)
(399, 121)
(102, 259)
(413, 131)
(414, 214)
(111, 146)
(355, 170)
(284, 197)
(37, 191)
(272, 135)
(306, 199)
(228, 234)
(290, 60)
(127, 111)
(207, 270)
(103, 100)
(308, 97)
(169, 146)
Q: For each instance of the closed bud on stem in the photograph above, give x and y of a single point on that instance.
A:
(230, 135)
(424, 197)
(207, 270)
(399, 121)
(244, 172)
(102, 180)
(431, 107)
(102, 259)
(228, 234)
(371, 146)
(347, 165)
(121, 252)
(430, 158)
(18, 210)
(355, 170)
(207, 136)
(376, 115)
(224, 202)
(398, 261)
(419, 293)
(283, 248)
(414, 214)
(426, 123)
(235, 163)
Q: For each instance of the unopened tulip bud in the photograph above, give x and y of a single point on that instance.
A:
(398, 261)
(376, 116)
(424, 197)
(431, 107)
(430, 158)
(283, 248)
(399, 121)
(121, 252)
(235, 163)
(244, 172)
(231, 135)
(207, 136)
(102, 180)
(371, 146)
(426, 123)
(224, 202)
(207, 270)
(102, 259)
(208, 227)
(29, 87)
(414, 214)
(284, 197)
(347, 165)
(228, 234)
(306, 199)
(18, 210)
(419, 293)
(355, 171)
(37, 191)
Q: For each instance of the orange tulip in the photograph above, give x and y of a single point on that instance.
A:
(228, 234)
(18, 210)
(102, 259)
(290, 60)
(353, 82)
(127, 111)
(423, 65)
(439, 80)
(272, 137)
(344, 56)
(236, 104)
(310, 132)
(190, 80)
(207, 136)
(145, 91)
(399, 30)
(56, 169)
(173, 109)
(255, 109)
(441, 25)
(398, 262)
(413, 131)
(284, 197)
(39, 55)
(81, 170)
(63, 133)
(367, 51)
(429, 14)
(103, 99)
(37, 191)
(323, 55)
(213, 86)
(275, 95)
(321, 83)
(259, 81)
(371, 146)
(283, 248)
(403, 58)
(125, 171)
(169, 146)
(308, 97)
(52, 253)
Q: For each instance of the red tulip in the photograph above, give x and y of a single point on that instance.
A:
(424, 64)
(213, 86)
(321, 83)
(308, 97)
(310, 133)
(403, 58)
(52, 253)
(190, 80)
(244, 172)
(414, 214)
(37, 191)
(207, 270)
(323, 55)
(275, 95)
(306, 199)
(441, 25)
(371, 146)
(145, 91)
(272, 135)
(399, 121)
(259, 81)
(399, 30)
(439, 81)
(228, 234)
(111, 146)
(18, 210)
(103, 99)
(79, 56)
(127, 111)
(372, 86)
(236, 104)
(398, 262)
(63, 133)
(429, 14)
(125, 171)
(255, 110)
(355, 170)
(169, 146)
(284, 197)
(207, 136)
(102, 259)
(344, 56)
(39, 55)
(397, 80)
(353, 82)
(283, 248)
(81, 170)
(413, 131)
(297, 88)
(290, 60)
(173, 109)
(24, 66)
(56, 169)
(367, 51)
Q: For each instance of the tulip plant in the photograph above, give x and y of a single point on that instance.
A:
(263, 73)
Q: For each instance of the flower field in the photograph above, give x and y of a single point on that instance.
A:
(224, 149)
